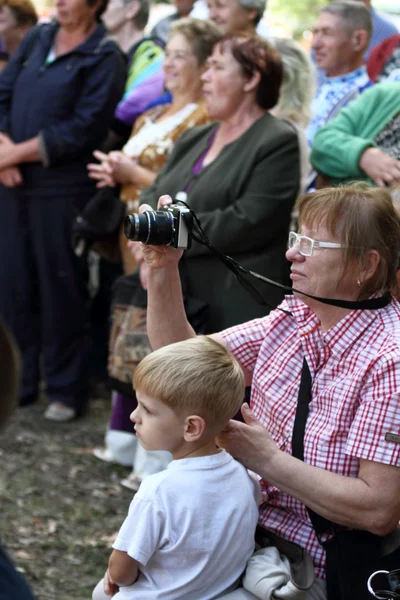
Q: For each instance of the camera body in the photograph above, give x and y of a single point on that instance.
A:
(168, 226)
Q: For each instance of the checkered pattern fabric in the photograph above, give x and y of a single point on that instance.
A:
(355, 369)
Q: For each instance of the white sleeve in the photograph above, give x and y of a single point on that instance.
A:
(142, 529)
(256, 485)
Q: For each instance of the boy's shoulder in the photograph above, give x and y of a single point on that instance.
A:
(194, 473)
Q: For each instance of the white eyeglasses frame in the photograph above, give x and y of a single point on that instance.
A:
(295, 239)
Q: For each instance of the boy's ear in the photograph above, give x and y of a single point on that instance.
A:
(194, 428)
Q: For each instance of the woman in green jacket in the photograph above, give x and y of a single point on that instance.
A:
(363, 141)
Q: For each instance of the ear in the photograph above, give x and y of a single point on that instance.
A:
(132, 9)
(194, 428)
(252, 83)
(359, 40)
(251, 14)
(371, 262)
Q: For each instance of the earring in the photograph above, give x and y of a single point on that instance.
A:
(359, 282)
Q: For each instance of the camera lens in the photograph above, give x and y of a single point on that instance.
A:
(151, 227)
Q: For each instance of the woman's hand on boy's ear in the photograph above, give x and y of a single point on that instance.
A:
(248, 442)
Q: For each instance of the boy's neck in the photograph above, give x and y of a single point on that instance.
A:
(193, 450)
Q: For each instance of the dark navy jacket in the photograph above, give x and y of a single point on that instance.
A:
(69, 104)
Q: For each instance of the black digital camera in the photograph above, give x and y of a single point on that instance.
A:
(169, 226)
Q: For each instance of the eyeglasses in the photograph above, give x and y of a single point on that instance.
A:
(306, 245)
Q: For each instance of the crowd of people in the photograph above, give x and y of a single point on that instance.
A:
(291, 162)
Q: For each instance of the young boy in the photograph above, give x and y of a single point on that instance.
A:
(190, 529)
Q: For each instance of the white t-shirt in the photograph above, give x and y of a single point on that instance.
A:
(191, 528)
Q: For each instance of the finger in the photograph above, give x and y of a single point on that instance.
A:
(96, 176)
(164, 201)
(100, 155)
(248, 415)
(94, 167)
(379, 182)
(144, 207)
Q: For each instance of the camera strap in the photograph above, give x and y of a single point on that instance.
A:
(241, 273)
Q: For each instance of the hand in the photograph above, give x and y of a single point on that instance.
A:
(110, 588)
(155, 257)
(123, 168)
(248, 442)
(8, 153)
(380, 167)
(102, 171)
(11, 177)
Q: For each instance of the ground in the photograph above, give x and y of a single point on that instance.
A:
(60, 506)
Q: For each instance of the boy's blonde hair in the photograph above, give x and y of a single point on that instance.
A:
(197, 376)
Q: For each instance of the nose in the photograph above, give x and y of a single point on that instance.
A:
(205, 76)
(212, 13)
(293, 254)
(316, 41)
(134, 415)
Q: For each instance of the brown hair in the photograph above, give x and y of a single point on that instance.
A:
(363, 218)
(255, 54)
(24, 11)
(102, 7)
(198, 376)
(201, 34)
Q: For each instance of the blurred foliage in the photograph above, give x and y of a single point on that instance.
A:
(299, 15)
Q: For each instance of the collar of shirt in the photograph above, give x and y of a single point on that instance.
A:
(338, 338)
(351, 77)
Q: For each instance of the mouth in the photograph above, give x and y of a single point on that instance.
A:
(295, 275)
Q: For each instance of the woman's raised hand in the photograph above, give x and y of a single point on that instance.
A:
(155, 257)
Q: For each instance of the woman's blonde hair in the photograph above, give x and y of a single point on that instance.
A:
(201, 34)
(298, 85)
(196, 376)
(363, 218)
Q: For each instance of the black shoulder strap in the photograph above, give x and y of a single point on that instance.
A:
(319, 523)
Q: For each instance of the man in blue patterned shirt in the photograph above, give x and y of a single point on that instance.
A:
(340, 40)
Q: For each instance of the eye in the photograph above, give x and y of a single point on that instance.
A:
(146, 410)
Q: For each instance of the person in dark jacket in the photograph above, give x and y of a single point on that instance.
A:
(57, 97)
(241, 176)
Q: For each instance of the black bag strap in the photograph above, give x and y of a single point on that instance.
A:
(319, 523)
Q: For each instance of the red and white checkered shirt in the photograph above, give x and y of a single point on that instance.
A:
(355, 369)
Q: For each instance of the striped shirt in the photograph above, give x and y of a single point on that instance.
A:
(355, 368)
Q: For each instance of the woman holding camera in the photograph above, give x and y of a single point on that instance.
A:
(348, 249)
(241, 176)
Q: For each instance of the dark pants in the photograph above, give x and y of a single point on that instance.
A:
(42, 294)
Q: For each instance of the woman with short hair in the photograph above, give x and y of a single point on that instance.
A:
(240, 174)
(347, 250)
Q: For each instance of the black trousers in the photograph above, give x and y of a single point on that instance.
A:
(42, 293)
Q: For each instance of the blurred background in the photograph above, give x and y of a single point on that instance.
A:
(283, 18)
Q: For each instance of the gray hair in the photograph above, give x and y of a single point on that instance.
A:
(297, 90)
(260, 5)
(354, 14)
